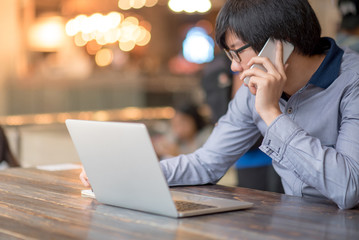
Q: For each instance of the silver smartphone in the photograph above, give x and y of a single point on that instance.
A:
(269, 51)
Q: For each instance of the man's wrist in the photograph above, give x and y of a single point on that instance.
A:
(269, 116)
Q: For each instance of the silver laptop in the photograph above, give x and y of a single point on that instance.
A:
(124, 171)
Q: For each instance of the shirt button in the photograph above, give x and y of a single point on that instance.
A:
(290, 110)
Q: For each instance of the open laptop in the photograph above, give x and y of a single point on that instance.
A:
(124, 171)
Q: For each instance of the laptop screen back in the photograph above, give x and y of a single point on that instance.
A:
(121, 165)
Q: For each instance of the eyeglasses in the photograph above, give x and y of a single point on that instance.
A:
(234, 54)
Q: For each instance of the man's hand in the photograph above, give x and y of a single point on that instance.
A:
(84, 179)
(267, 86)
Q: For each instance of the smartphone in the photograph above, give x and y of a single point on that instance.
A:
(269, 51)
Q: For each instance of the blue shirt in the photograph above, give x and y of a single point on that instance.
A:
(314, 144)
(253, 159)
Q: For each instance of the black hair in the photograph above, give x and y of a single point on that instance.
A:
(254, 21)
(192, 110)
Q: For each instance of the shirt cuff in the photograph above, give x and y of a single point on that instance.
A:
(163, 168)
(278, 136)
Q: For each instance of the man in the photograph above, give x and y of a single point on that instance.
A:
(307, 110)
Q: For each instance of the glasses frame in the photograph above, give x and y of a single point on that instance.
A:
(234, 54)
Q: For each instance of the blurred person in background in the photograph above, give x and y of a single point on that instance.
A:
(348, 34)
(254, 169)
(188, 131)
(217, 83)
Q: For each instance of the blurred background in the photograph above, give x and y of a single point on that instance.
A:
(129, 60)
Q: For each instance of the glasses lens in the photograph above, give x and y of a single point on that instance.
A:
(232, 55)
(228, 54)
(236, 56)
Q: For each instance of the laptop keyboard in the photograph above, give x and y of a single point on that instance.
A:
(183, 206)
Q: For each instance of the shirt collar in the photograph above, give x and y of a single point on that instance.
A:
(328, 71)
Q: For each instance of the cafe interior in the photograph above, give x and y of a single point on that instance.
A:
(136, 61)
(104, 60)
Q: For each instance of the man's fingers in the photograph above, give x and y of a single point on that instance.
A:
(84, 179)
(279, 54)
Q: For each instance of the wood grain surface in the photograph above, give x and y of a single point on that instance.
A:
(38, 204)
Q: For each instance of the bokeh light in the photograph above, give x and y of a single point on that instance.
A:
(151, 3)
(47, 34)
(127, 46)
(190, 6)
(99, 30)
(93, 47)
(198, 47)
(136, 4)
(104, 57)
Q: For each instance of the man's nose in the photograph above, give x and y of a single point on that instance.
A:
(236, 66)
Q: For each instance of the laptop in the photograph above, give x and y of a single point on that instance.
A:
(124, 171)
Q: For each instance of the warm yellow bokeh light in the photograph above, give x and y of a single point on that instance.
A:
(79, 41)
(124, 4)
(151, 3)
(100, 38)
(114, 18)
(190, 6)
(127, 46)
(104, 57)
(137, 4)
(101, 116)
(80, 19)
(145, 40)
(93, 47)
(131, 20)
(139, 34)
(71, 28)
(111, 36)
(47, 34)
(108, 29)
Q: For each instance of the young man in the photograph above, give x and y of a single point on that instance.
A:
(307, 110)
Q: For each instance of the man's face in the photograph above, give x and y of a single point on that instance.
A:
(234, 43)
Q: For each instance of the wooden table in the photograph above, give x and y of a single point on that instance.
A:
(38, 204)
